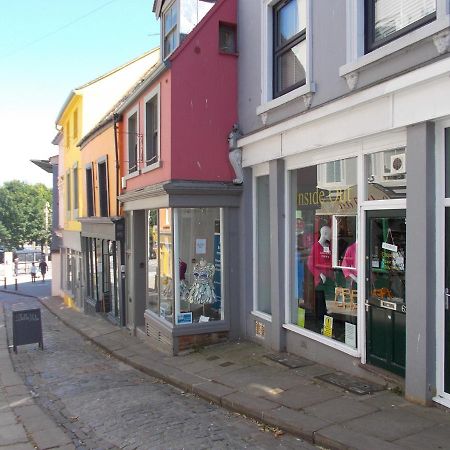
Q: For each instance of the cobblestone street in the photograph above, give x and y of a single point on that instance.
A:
(103, 403)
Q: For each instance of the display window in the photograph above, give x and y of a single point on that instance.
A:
(192, 293)
(324, 200)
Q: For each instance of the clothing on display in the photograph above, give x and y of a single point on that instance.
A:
(202, 289)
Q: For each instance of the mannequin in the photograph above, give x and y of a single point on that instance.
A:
(349, 260)
(320, 265)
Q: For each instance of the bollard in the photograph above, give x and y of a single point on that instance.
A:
(4, 283)
(16, 284)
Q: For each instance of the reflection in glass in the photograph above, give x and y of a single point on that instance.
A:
(165, 256)
(324, 216)
(386, 174)
(152, 261)
(191, 13)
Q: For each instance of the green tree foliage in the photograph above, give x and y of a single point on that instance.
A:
(23, 216)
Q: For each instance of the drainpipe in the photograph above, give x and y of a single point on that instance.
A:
(117, 118)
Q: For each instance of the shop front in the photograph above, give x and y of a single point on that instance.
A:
(102, 240)
(344, 252)
(182, 260)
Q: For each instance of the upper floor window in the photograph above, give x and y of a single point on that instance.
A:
(289, 45)
(67, 134)
(132, 142)
(170, 22)
(89, 192)
(151, 131)
(387, 20)
(103, 188)
(75, 124)
(227, 38)
(75, 188)
(68, 192)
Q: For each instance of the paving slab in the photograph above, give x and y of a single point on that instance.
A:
(12, 434)
(341, 438)
(212, 391)
(7, 418)
(49, 438)
(432, 438)
(296, 422)
(390, 424)
(248, 404)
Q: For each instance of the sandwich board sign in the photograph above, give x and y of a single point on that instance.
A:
(27, 327)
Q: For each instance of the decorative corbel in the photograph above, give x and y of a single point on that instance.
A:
(307, 99)
(264, 117)
(352, 79)
(442, 41)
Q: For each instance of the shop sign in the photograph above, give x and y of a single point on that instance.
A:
(327, 326)
(390, 247)
(27, 327)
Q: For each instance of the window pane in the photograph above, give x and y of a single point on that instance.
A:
(291, 67)
(323, 218)
(291, 19)
(263, 245)
(151, 129)
(199, 265)
(152, 262)
(394, 15)
(386, 174)
(132, 143)
(165, 263)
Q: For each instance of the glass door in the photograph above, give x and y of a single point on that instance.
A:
(385, 290)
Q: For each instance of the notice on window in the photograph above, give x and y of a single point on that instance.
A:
(301, 317)
(350, 334)
(327, 326)
(390, 247)
(200, 246)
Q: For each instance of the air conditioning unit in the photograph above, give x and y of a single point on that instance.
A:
(398, 164)
(124, 183)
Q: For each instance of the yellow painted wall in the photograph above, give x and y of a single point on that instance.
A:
(71, 123)
(96, 150)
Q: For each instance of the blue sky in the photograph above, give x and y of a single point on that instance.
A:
(49, 47)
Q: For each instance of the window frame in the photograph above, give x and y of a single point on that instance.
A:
(103, 161)
(369, 27)
(130, 113)
(76, 189)
(175, 29)
(90, 196)
(278, 51)
(148, 98)
(68, 193)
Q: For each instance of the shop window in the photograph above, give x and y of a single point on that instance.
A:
(386, 174)
(103, 189)
(152, 261)
(227, 38)
(89, 193)
(263, 285)
(387, 20)
(289, 44)
(132, 142)
(151, 131)
(324, 252)
(199, 294)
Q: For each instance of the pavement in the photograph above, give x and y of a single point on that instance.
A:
(291, 394)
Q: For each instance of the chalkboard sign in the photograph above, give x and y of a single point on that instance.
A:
(27, 327)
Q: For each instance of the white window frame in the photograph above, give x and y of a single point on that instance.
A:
(356, 59)
(163, 30)
(153, 93)
(258, 171)
(128, 175)
(89, 166)
(267, 100)
(76, 195)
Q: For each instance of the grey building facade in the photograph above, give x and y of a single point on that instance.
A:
(344, 107)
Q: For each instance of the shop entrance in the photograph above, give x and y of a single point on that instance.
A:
(385, 290)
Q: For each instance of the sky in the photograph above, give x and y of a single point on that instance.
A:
(48, 48)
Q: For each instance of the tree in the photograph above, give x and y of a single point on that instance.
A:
(23, 214)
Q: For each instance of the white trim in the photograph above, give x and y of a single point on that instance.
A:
(151, 167)
(322, 339)
(381, 205)
(267, 100)
(154, 92)
(134, 174)
(355, 15)
(261, 315)
(132, 111)
(164, 10)
(441, 204)
(261, 169)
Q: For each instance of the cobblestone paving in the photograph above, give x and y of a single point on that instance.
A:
(104, 403)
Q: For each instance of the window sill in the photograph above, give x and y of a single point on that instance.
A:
(132, 175)
(395, 46)
(262, 315)
(322, 339)
(151, 167)
(279, 101)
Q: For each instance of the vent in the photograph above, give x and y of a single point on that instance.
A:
(398, 164)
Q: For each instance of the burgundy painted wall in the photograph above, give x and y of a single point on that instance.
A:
(204, 100)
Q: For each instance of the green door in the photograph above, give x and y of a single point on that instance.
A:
(385, 286)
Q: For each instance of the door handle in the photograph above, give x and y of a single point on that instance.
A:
(446, 295)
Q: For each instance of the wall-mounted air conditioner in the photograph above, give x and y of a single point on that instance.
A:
(398, 164)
